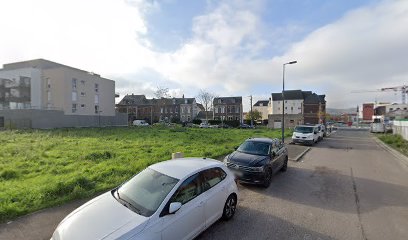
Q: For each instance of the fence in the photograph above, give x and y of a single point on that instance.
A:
(45, 119)
(401, 127)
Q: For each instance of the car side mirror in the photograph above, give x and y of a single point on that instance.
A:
(174, 207)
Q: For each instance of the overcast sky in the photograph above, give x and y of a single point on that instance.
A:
(229, 47)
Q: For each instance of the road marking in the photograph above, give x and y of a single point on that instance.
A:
(357, 200)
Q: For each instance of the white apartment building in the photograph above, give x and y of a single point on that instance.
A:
(293, 102)
(44, 85)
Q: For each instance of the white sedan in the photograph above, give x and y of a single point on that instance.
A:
(175, 199)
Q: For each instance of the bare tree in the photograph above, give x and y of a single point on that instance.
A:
(206, 98)
(161, 92)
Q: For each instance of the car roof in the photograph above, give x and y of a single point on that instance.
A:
(182, 167)
(267, 140)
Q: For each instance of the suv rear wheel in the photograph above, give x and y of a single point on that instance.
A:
(285, 165)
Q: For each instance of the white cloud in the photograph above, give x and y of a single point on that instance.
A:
(365, 49)
(95, 34)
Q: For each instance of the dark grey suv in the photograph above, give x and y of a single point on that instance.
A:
(257, 159)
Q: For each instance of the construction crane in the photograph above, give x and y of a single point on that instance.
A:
(403, 89)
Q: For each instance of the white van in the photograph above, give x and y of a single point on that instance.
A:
(306, 134)
(140, 123)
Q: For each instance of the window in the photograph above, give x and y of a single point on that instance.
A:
(96, 87)
(96, 99)
(161, 110)
(237, 109)
(74, 96)
(74, 83)
(96, 109)
(391, 109)
(82, 94)
(291, 108)
(74, 107)
(219, 101)
(230, 118)
(215, 110)
(83, 82)
(82, 105)
(212, 177)
(48, 96)
(188, 190)
(48, 83)
(188, 110)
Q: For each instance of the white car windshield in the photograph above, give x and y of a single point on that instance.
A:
(304, 129)
(146, 191)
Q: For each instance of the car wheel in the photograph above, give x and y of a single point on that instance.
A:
(268, 178)
(285, 165)
(229, 207)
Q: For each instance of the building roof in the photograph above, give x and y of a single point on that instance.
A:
(227, 100)
(307, 96)
(40, 64)
(315, 99)
(263, 102)
(291, 95)
(183, 167)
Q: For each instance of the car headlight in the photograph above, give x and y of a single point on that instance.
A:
(226, 160)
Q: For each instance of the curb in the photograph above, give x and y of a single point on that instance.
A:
(403, 159)
(298, 157)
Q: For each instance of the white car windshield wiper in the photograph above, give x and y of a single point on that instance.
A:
(127, 204)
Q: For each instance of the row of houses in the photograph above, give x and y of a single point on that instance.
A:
(179, 109)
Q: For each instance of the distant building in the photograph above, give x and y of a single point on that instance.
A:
(263, 107)
(155, 110)
(368, 112)
(228, 108)
(37, 87)
(314, 109)
(300, 107)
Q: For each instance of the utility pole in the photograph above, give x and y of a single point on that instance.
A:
(251, 114)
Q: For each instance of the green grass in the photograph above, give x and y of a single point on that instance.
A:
(395, 141)
(44, 168)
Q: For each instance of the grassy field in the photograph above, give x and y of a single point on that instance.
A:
(396, 142)
(40, 169)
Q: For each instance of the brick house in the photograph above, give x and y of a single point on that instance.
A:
(228, 109)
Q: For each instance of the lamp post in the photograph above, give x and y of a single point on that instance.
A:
(283, 100)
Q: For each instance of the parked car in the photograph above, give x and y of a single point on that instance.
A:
(213, 126)
(140, 123)
(170, 200)
(321, 131)
(223, 125)
(243, 125)
(204, 125)
(305, 134)
(257, 159)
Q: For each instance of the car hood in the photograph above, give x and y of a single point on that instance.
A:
(99, 219)
(245, 159)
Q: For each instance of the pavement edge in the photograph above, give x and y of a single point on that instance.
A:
(298, 157)
(395, 153)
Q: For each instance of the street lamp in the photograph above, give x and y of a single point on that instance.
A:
(283, 100)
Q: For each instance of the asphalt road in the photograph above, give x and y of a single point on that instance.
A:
(345, 187)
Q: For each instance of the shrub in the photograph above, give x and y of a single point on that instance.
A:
(8, 174)
(95, 156)
(197, 121)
